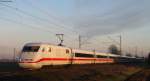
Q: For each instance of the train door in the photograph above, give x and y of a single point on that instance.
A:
(56, 55)
(50, 54)
(71, 56)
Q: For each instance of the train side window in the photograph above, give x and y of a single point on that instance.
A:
(67, 51)
(84, 55)
(49, 50)
(100, 56)
(43, 50)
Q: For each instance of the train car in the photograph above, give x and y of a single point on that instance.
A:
(36, 55)
(86, 57)
(82, 57)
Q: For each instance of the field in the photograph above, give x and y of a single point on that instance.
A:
(143, 75)
(97, 72)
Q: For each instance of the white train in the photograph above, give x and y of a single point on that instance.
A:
(37, 55)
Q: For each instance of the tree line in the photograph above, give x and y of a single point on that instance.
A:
(114, 50)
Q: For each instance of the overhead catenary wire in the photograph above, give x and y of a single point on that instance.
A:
(48, 14)
(23, 24)
(25, 13)
(34, 16)
(29, 26)
(39, 28)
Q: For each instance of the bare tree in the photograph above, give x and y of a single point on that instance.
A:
(129, 54)
(113, 49)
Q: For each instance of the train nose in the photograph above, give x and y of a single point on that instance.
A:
(27, 57)
(29, 65)
(28, 61)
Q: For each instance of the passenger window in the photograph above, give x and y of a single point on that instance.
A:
(43, 50)
(67, 51)
(49, 50)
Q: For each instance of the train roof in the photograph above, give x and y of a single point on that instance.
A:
(82, 51)
(37, 44)
(40, 44)
(127, 57)
(97, 53)
(108, 54)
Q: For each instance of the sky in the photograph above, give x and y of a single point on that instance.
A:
(99, 22)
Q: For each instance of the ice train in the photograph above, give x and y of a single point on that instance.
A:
(37, 55)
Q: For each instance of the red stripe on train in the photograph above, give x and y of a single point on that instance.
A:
(68, 59)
